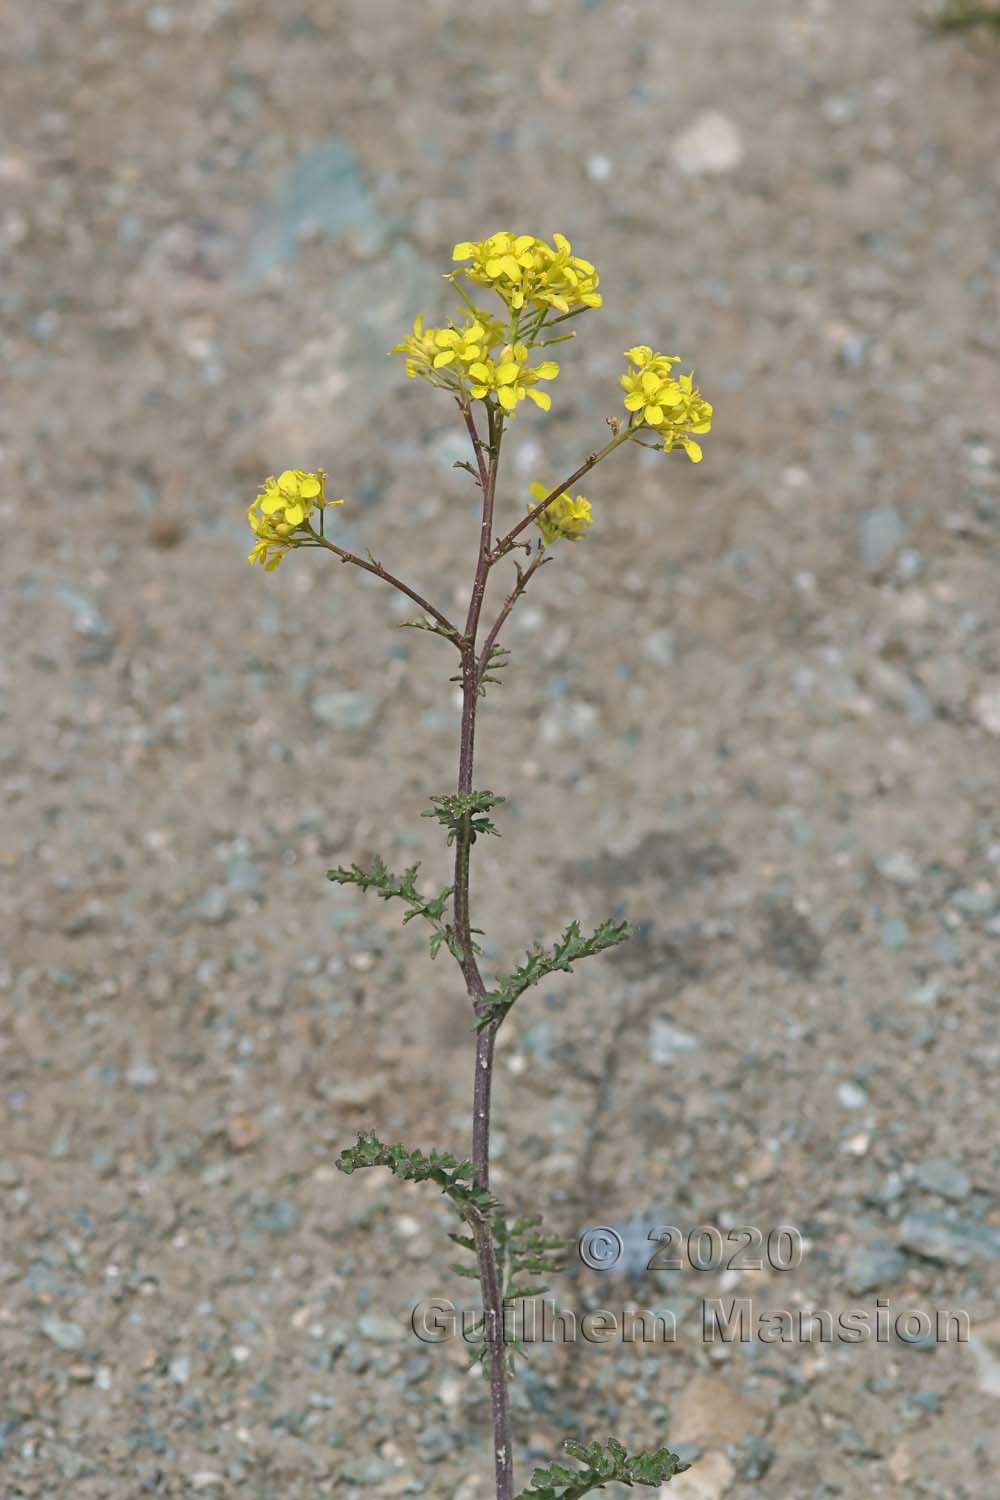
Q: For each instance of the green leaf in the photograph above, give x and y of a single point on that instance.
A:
(403, 887)
(433, 626)
(602, 1464)
(453, 1177)
(562, 956)
(464, 812)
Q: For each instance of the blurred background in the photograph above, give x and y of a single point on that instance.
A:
(758, 711)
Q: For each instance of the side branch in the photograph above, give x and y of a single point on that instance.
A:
(523, 577)
(370, 566)
(505, 543)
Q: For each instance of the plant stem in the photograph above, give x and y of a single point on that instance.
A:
(485, 1252)
(371, 566)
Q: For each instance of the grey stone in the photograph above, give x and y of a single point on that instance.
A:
(757, 1456)
(944, 1178)
(955, 1242)
(851, 1096)
(669, 1043)
(895, 933)
(142, 1075)
(436, 1443)
(659, 647)
(883, 532)
(244, 875)
(10, 1177)
(986, 706)
(341, 708)
(871, 1267)
(69, 1336)
(367, 1470)
(322, 193)
(899, 867)
(975, 903)
(279, 1217)
(213, 906)
(380, 1329)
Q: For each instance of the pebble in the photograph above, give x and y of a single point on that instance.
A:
(658, 647)
(943, 1178)
(851, 1096)
(895, 933)
(869, 1268)
(899, 868)
(955, 1242)
(10, 1177)
(436, 1443)
(367, 1470)
(711, 143)
(279, 1217)
(213, 906)
(758, 1454)
(380, 1329)
(883, 532)
(244, 875)
(142, 1075)
(669, 1043)
(68, 1336)
(978, 903)
(986, 706)
(343, 709)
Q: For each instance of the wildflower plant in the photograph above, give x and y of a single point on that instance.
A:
(490, 361)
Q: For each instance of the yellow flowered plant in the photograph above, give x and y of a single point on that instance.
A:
(527, 272)
(564, 518)
(279, 516)
(485, 366)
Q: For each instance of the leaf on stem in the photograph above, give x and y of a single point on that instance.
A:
(495, 662)
(602, 1464)
(404, 886)
(540, 962)
(461, 812)
(453, 1177)
(432, 625)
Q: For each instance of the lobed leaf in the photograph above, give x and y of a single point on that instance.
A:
(602, 1464)
(539, 963)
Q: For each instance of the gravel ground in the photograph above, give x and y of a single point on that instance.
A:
(758, 711)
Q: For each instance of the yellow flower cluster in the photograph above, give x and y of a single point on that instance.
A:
(672, 405)
(565, 517)
(281, 512)
(528, 272)
(510, 378)
(469, 359)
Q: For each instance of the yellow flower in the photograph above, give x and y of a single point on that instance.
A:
(420, 347)
(564, 518)
(443, 355)
(509, 379)
(281, 510)
(670, 404)
(526, 271)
